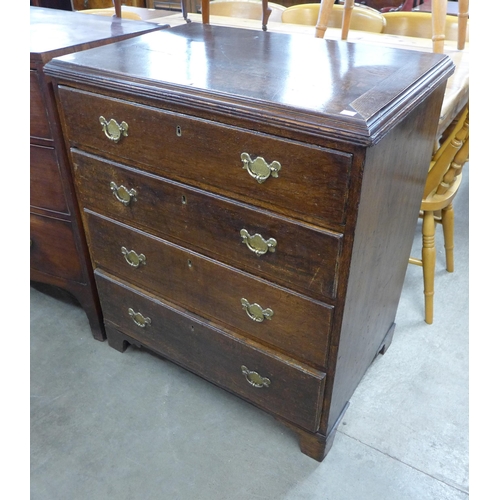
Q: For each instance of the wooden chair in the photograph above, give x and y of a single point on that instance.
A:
(443, 181)
(438, 17)
(419, 24)
(363, 18)
(245, 9)
(266, 11)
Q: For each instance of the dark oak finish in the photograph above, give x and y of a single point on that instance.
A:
(295, 392)
(299, 326)
(191, 217)
(59, 254)
(354, 154)
(311, 189)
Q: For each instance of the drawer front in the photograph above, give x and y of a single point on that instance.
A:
(52, 248)
(291, 322)
(310, 183)
(287, 253)
(46, 189)
(292, 391)
(39, 122)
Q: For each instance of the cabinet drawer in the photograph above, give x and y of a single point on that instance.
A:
(293, 391)
(39, 123)
(311, 183)
(291, 322)
(300, 257)
(52, 248)
(46, 189)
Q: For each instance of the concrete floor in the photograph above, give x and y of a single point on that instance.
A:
(112, 426)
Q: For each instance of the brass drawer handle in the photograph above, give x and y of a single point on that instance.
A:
(122, 194)
(259, 169)
(113, 130)
(257, 244)
(255, 312)
(133, 258)
(253, 378)
(138, 318)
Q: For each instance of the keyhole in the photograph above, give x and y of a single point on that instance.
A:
(190, 264)
(184, 199)
(178, 131)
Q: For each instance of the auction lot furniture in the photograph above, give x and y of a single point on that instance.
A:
(58, 249)
(250, 211)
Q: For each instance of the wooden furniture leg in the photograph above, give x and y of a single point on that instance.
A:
(324, 13)
(448, 222)
(463, 16)
(429, 263)
(118, 7)
(346, 18)
(184, 10)
(266, 12)
(438, 25)
(205, 11)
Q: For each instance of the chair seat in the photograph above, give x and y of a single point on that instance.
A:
(363, 18)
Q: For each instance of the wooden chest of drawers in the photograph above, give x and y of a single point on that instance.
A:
(59, 254)
(250, 199)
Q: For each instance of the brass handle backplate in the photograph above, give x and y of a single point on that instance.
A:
(253, 378)
(255, 312)
(132, 258)
(113, 130)
(122, 194)
(138, 318)
(259, 169)
(257, 244)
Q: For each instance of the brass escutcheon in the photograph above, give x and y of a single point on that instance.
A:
(113, 130)
(257, 244)
(253, 378)
(138, 318)
(255, 312)
(122, 194)
(259, 169)
(133, 258)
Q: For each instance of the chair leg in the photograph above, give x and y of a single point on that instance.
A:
(324, 12)
(184, 10)
(463, 16)
(266, 12)
(346, 18)
(205, 11)
(438, 25)
(448, 222)
(429, 263)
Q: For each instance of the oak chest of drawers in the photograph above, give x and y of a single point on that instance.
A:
(250, 200)
(59, 254)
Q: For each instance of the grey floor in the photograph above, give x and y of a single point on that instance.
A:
(106, 425)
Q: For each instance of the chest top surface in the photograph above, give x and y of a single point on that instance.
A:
(305, 82)
(56, 30)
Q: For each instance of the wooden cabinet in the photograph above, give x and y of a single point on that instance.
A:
(59, 254)
(251, 218)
